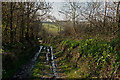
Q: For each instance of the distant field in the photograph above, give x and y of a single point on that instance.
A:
(51, 27)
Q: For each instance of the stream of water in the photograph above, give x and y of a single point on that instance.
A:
(50, 52)
(26, 70)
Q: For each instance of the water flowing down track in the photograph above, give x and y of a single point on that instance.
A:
(52, 62)
(26, 70)
(44, 53)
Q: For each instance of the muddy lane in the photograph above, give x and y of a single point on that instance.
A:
(25, 70)
(46, 67)
(48, 70)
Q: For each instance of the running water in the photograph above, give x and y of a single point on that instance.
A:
(51, 61)
(47, 54)
(26, 70)
(53, 64)
(37, 54)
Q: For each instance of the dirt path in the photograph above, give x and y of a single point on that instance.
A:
(45, 62)
(48, 67)
(25, 70)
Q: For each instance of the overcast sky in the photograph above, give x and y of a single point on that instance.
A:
(56, 8)
(58, 5)
(82, 0)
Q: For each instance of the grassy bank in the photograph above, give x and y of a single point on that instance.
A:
(88, 58)
(51, 27)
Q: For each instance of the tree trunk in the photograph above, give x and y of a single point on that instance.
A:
(119, 24)
(117, 12)
(28, 14)
(22, 29)
(32, 33)
(104, 24)
(73, 19)
(22, 33)
(6, 33)
(11, 23)
(105, 14)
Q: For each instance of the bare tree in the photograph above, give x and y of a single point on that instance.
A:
(22, 15)
(71, 11)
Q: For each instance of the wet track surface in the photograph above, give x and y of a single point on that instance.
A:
(49, 69)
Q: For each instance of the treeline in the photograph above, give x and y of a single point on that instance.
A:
(91, 19)
(21, 26)
(21, 20)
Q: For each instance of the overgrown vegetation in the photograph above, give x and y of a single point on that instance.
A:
(86, 42)
(88, 58)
